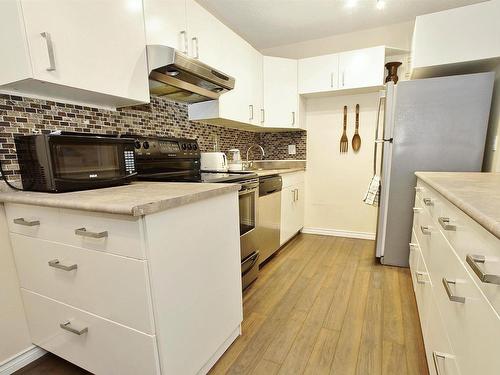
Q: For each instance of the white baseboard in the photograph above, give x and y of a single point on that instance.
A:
(20, 360)
(339, 233)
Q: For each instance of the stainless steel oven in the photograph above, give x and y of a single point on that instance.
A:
(248, 196)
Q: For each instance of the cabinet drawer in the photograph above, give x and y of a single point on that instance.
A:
(117, 234)
(468, 238)
(424, 230)
(295, 178)
(471, 323)
(110, 286)
(105, 348)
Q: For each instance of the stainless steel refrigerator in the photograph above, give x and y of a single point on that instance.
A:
(436, 124)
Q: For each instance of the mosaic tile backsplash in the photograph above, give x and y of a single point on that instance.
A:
(22, 115)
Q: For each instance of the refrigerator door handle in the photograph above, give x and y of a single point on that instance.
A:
(381, 100)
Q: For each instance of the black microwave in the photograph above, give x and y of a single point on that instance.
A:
(73, 161)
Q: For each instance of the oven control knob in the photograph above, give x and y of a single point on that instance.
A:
(137, 144)
(145, 145)
(183, 146)
(195, 147)
(190, 146)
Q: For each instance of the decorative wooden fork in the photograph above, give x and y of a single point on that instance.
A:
(344, 142)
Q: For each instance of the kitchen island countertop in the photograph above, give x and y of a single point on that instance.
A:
(136, 199)
(477, 194)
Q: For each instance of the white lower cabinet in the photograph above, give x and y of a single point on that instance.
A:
(460, 325)
(292, 205)
(111, 312)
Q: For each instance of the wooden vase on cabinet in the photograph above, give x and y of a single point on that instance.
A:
(392, 71)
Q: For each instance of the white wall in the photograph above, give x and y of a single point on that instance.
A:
(491, 157)
(336, 183)
(397, 35)
(14, 335)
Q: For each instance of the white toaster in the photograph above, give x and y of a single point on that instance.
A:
(213, 162)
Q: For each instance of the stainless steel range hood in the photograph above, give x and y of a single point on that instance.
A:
(179, 77)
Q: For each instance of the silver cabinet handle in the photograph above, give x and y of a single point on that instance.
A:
(26, 223)
(343, 78)
(419, 275)
(293, 118)
(450, 294)
(85, 233)
(195, 47)
(297, 194)
(419, 188)
(57, 264)
(293, 192)
(474, 261)
(331, 79)
(425, 229)
(436, 356)
(67, 327)
(262, 115)
(413, 246)
(250, 108)
(50, 51)
(184, 35)
(416, 210)
(445, 223)
(428, 202)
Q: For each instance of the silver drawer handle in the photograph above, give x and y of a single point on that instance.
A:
(419, 276)
(85, 233)
(419, 188)
(451, 296)
(425, 229)
(413, 246)
(57, 264)
(67, 327)
(473, 261)
(436, 356)
(26, 223)
(445, 223)
(428, 202)
(416, 210)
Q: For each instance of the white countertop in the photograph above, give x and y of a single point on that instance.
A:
(136, 199)
(477, 194)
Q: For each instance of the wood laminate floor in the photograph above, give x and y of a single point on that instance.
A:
(322, 305)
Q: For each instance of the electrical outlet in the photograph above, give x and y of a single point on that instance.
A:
(292, 150)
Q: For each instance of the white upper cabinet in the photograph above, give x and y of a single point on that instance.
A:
(88, 51)
(280, 92)
(455, 41)
(318, 74)
(362, 68)
(166, 23)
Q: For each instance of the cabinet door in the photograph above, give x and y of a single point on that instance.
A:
(280, 92)
(317, 74)
(256, 81)
(299, 208)
(287, 212)
(362, 68)
(165, 22)
(89, 44)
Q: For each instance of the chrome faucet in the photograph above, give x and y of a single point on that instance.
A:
(256, 145)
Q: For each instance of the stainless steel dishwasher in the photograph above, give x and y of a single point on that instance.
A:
(269, 216)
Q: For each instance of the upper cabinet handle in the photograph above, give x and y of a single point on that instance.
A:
(331, 79)
(474, 261)
(195, 47)
(85, 233)
(50, 51)
(343, 79)
(293, 118)
(26, 223)
(250, 107)
(451, 296)
(262, 115)
(185, 37)
(445, 223)
(57, 264)
(428, 202)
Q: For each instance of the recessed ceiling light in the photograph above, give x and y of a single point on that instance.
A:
(351, 3)
(380, 4)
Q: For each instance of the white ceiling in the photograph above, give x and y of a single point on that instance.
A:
(270, 23)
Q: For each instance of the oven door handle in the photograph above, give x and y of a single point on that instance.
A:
(248, 191)
(92, 181)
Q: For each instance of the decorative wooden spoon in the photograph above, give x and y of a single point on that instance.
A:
(356, 139)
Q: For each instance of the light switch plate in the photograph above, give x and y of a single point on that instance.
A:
(292, 150)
